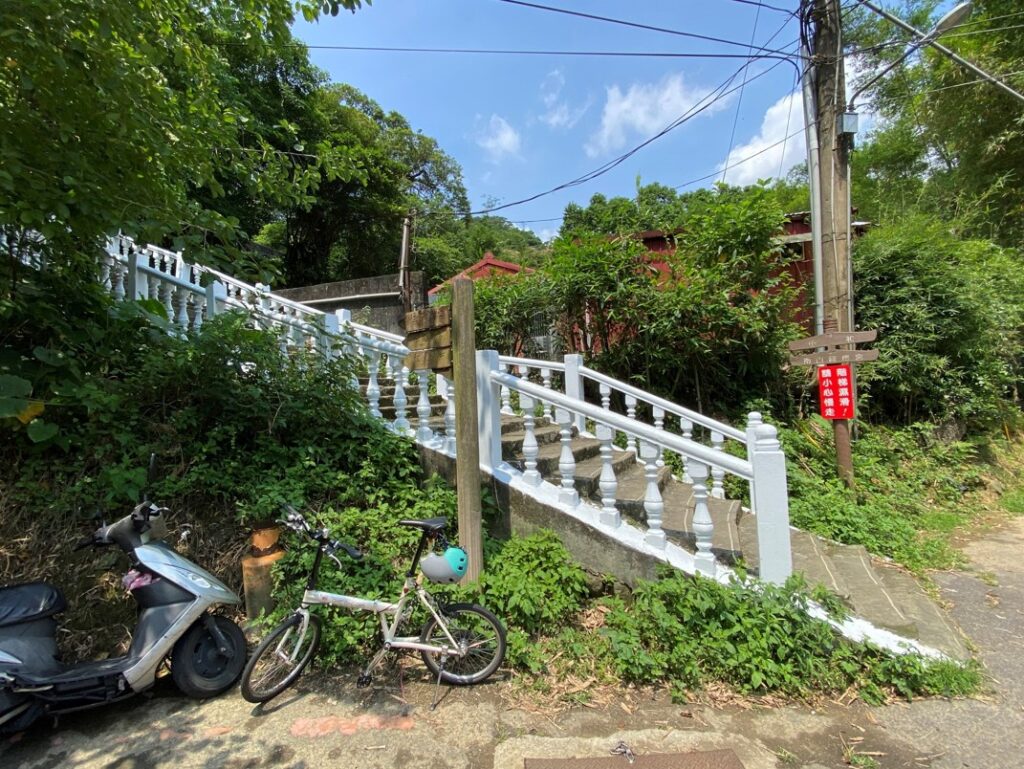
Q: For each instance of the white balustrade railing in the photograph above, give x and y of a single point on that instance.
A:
(763, 469)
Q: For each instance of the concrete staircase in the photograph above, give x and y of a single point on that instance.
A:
(878, 591)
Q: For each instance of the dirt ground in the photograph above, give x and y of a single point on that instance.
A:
(327, 721)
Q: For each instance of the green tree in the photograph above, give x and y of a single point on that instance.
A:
(947, 144)
(112, 111)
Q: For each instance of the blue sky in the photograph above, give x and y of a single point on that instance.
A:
(520, 125)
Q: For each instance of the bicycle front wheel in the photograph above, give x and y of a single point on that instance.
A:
(280, 658)
(479, 637)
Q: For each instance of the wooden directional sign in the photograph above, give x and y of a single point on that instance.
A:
(428, 318)
(429, 337)
(832, 357)
(833, 339)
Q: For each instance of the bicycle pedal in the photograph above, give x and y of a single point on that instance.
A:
(364, 681)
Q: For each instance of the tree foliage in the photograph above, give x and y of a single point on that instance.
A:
(113, 112)
(707, 327)
(946, 144)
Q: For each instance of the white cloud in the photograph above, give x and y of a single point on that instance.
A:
(769, 150)
(558, 114)
(643, 110)
(499, 139)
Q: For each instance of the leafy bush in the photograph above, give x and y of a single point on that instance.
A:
(687, 632)
(534, 584)
(949, 314)
(237, 429)
(910, 489)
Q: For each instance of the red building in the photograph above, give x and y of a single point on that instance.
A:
(488, 267)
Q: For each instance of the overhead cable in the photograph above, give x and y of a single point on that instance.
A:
(636, 25)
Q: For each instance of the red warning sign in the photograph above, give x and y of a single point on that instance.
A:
(835, 392)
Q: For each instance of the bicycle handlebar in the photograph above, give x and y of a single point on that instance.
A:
(296, 522)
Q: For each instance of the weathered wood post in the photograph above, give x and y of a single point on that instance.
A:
(467, 452)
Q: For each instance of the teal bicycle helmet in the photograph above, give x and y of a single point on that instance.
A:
(447, 567)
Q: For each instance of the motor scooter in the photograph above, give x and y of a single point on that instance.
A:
(175, 597)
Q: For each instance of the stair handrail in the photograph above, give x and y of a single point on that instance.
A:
(669, 407)
(667, 440)
(512, 360)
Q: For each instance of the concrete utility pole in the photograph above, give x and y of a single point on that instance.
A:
(404, 278)
(834, 188)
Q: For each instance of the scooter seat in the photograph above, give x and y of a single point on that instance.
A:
(31, 601)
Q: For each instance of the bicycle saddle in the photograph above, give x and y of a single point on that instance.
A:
(430, 525)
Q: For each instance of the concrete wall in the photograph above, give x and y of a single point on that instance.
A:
(372, 301)
(522, 515)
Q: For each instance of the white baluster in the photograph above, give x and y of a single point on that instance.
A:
(530, 448)
(549, 409)
(566, 460)
(506, 394)
(449, 419)
(402, 426)
(659, 424)
(105, 262)
(717, 473)
(703, 526)
(198, 309)
(117, 273)
(181, 305)
(687, 428)
(152, 281)
(608, 483)
(424, 434)
(606, 396)
(654, 505)
(631, 413)
(165, 294)
(372, 386)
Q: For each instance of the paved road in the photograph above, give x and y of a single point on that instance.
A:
(328, 722)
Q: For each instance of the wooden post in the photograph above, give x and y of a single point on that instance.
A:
(467, 439)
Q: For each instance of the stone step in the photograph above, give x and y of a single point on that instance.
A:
(677, 521)
(811, 556)
(548, 454)
(512, 441)
(933, 628)
(629, 496)
(588, 472)
(388, 411)
(869, 595)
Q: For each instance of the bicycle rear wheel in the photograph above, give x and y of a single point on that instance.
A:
(280, 658)
(480, 638)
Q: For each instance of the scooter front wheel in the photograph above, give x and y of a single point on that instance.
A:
(200, 666)
(280, 658)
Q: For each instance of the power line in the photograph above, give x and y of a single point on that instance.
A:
(739, 100)
(740, 162)
(766, 6)
(718, 93)
(519, 52)
(636, 25)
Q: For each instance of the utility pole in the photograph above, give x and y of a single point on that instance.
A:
(404, 278)
(834, 189)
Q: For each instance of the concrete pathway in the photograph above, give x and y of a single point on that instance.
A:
(328, 722)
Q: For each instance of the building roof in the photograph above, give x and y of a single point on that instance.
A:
(485, 268)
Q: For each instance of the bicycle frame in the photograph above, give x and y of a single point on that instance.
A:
(383, 609)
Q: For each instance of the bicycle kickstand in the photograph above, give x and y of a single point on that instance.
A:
(437, 686)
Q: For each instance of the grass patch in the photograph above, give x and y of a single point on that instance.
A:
(913, 490)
